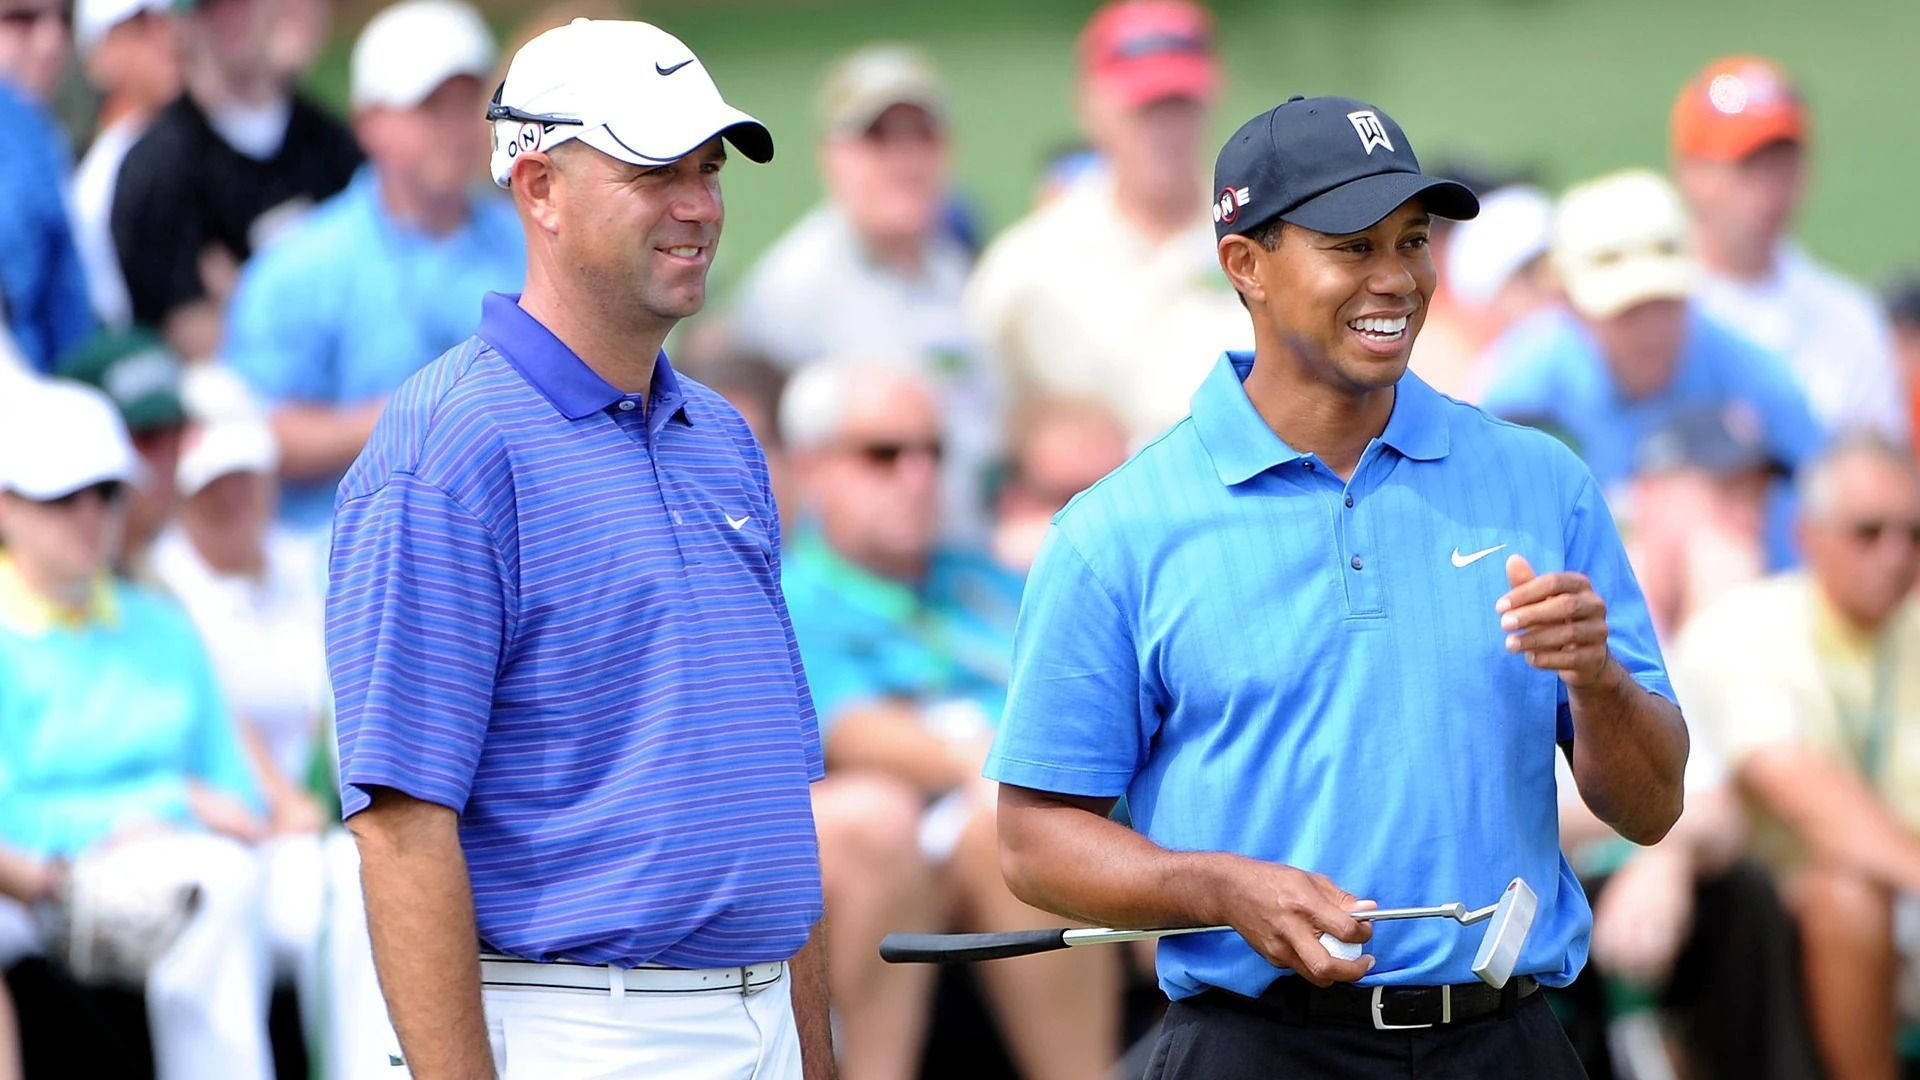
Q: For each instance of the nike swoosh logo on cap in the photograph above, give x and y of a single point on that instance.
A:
(1469, 560)
(670, 70)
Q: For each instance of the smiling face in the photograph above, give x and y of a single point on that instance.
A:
(1346, 307)
(640, 240)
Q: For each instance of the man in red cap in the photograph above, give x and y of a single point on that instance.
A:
(1739, 131)
(1109, 292)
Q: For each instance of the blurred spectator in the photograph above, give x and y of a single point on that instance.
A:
(131, 53)
(1494, 274)
(1739, 149)
(34, 44)
(907, 646)
(1904, 307)
(389, 273)
(1112, 290)
(43, 291)
(256, 594)
(219, 174)
(874, 270)
(142, 378)
(1809, 683)
(1698, 508)
(1059, 449)
(113, 743)
(1634, 351)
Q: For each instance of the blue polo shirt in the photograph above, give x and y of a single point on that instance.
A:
(1552, 372)
(344, 308)
(1268, 661)
(556, 609)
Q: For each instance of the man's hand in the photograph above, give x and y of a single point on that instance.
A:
(1557, 620)
(1282, 911)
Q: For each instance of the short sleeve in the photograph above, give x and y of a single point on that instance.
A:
(1077, 720)
(1593, 548)
(417, 620)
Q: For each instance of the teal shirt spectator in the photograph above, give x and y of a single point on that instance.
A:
(1553, 376)
(103, 723)
(350, 304)
(1267, 660)
(866, 638)
(43, 291)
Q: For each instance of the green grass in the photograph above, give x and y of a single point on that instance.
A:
(1566, 87)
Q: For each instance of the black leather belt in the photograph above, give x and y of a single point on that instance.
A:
(1385, 1008)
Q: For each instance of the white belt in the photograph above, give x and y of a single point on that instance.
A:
(503, 972)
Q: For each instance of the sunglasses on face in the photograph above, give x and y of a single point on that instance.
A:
(107, 491)
(1868, 531)
(26, 18)
(887, 455)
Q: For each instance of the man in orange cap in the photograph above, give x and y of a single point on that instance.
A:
(1739, 130)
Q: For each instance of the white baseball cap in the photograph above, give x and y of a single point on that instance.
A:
(409, 49)
(93, 18)
(58, 436)
(230, 433)
(628, 89)
(1514, 228)
(1622, 240)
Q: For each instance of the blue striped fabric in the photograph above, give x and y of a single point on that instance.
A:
(566, 623)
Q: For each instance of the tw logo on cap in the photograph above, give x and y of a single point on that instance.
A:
(1227, 206)
(1372, 133)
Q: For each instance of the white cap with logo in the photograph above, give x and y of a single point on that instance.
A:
(58, 436)
(1622, 240)
(409, 49)
(628, 89)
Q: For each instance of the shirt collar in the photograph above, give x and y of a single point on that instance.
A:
(562, 377)
(1242, 446)
(26, 611)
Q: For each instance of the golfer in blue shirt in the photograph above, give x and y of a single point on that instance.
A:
(1326, 635)
(576, 742)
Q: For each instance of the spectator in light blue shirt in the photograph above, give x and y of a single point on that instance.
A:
(1634, 354)
(388, 273)
(43, 291)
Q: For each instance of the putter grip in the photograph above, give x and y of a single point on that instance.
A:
(958, 948)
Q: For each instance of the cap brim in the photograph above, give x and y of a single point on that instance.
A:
(623, 139)
(1603, 292)
(1359, 204)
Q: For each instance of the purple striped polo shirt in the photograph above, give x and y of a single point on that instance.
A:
(564, 621)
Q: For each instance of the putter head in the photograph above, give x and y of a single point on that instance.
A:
(1506, 934)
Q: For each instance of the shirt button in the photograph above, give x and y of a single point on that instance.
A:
(1357, 562)
(1349, 502)
(627, 405)
(1308, 465)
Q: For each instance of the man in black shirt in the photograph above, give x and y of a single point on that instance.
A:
(236, 159)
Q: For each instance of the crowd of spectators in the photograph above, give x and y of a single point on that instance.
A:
(201, 322)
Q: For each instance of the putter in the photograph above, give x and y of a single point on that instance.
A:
(1511, 920)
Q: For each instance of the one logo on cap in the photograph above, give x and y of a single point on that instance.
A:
(1227, 206)
(1372, 133)
(658, 70)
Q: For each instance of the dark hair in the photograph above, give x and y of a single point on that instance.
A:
(1267, 235)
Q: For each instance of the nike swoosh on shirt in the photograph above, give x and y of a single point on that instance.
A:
(1469, 560)
(736, 523)
(670, 70)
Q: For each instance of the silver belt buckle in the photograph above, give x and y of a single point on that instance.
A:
(1380, 1024)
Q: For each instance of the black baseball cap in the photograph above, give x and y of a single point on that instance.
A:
(1330, 164)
